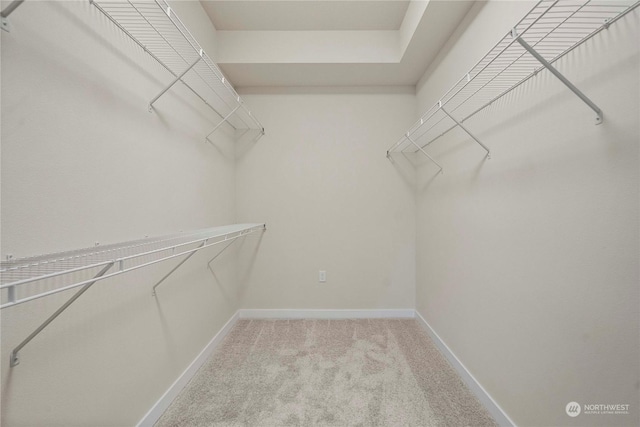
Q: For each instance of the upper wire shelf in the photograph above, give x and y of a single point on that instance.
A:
(155, 27)
(21, 279)
(549, 31)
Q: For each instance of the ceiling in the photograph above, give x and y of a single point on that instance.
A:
(306, 15)
(330, 42)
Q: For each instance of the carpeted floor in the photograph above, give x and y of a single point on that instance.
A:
(364, 372)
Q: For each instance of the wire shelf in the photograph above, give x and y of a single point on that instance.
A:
(21, 279)
(154, 26)
(552, 28)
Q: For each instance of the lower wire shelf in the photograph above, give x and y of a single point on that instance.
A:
(21, 280)
(16, 275)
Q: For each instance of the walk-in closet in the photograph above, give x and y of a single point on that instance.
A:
(319, 213)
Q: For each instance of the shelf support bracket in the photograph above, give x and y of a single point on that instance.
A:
(423, 152)
(258, 136)
(233, 239)
(221, 122)
(6, 12)
(563, 79)
(223, 249)
(14, 360)
(177, 267)
(466, 130)
(176, 80)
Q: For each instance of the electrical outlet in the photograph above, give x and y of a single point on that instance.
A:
(322, 276)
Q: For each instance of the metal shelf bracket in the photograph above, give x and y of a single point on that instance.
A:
(224, 120)
(203, 244)
(423, 152)
(14, 360)
(220, 253)
(176, 80)
(560, 76)
(465, 129)
(177, 266)
(4, 22)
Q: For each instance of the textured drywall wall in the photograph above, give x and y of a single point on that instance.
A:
(331, 200)
(527, 263)
(83, 161)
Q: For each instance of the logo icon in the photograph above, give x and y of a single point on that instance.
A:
(573, 409)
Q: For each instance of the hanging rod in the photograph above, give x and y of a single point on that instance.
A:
(155, 27)
(17, 274)
(548, 32)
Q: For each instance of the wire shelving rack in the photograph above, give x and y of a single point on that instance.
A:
(154, 26)
(549, 31)
(26, 279)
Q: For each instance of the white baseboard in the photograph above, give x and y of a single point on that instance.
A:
(485, 398)
(156, 411)
(250, 313)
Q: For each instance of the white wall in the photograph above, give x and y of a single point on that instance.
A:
(331, 200)
(84, 161)
(527, 264)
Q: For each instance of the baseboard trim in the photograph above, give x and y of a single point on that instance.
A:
(156, 411)
(485, 398)
(402, 313)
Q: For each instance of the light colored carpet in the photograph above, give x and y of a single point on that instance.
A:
(364, 372)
